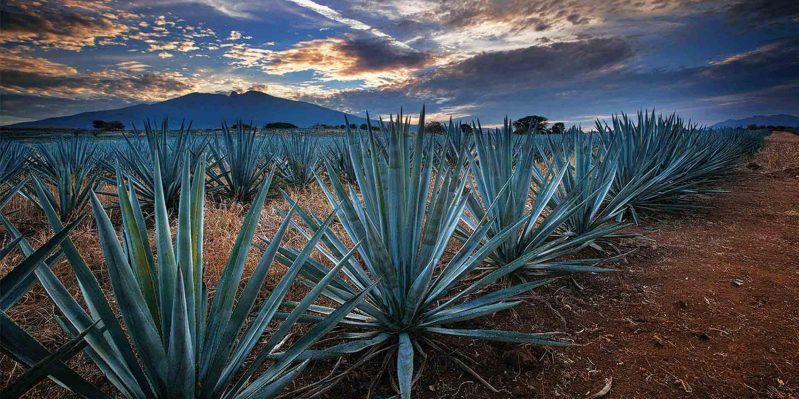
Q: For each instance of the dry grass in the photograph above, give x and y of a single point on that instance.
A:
(778, 155)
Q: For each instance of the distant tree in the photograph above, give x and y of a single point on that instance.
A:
(434, 128)
(364, 126)
(753, 127)
(524, 125)
(108, 125)
(558, 128)
(466, 128)
(280, 125)
(245, 126)
(353, 126)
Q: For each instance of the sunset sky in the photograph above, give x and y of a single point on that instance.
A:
(571, 61)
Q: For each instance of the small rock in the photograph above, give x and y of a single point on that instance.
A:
(737, 282)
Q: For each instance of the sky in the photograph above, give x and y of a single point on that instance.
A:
(572, 61)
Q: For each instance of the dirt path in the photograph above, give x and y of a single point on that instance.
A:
(709, 309)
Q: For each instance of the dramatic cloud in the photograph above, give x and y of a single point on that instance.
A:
(40, 66)
(590, 79)
(768, 11)
(374, 60)
(36, 76)
(498, 73)
(65, 28)
(334, 15)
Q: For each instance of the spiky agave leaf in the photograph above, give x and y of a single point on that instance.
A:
(138, 160)
(71, 167)
(239, 163)
(186, 349)
(340, 161)
(590, 173)
(416, 296)
(502, 169)
(18, 343)
(13, 159)
(299, 159)
(665, 161)
(457, 140)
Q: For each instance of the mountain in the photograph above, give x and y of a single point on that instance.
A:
(206, 110)
(760, 120)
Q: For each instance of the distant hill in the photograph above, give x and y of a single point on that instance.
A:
(760, 120)
(205, 111)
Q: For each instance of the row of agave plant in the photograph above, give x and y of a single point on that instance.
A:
(239, 161)
(523, 210)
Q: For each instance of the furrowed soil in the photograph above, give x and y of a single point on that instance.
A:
(703, 305)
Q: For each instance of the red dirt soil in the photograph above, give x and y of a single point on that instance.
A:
(783, 137)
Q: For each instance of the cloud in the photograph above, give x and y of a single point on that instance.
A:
(132, 66)
(473, 26)
(40, 66)
(769, 11)
(572, 81)
(336, 16)
(187, 46)
(534, 67)
(374, 60)
(234, 35)
(24, 75)
(62, 28)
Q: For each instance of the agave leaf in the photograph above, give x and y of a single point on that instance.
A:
(405, 365)
(48, 365)
(20, 278)
(502, 336)
(141, 325)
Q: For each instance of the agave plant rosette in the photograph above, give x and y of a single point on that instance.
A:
(138, 160)
(590, 175)
(458, 140)
(503, 166)
(71, 167)
(299, 160)
(239, 163)
(173, 343)
(339, 159)
(665, 161)
(417, 295)
(13, 158)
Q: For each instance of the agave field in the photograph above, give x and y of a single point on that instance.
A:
(418, 239)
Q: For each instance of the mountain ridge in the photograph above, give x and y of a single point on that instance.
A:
(206, 111)
(760, 120)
